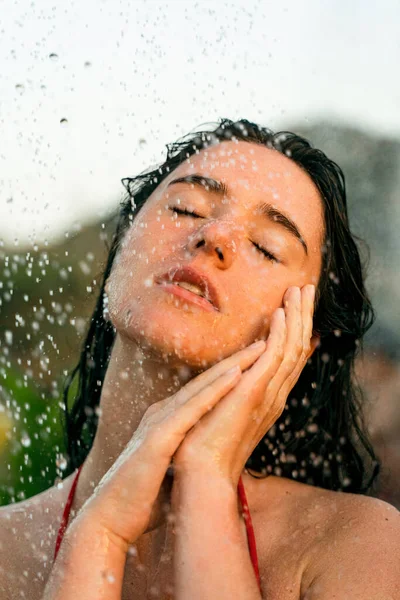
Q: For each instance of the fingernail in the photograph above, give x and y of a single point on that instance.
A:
(257, 345)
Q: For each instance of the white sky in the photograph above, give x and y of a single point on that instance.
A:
(158, 70)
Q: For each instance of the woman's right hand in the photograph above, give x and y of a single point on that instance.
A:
(130, 498)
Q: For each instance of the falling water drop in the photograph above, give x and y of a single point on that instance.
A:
(61, 463)
(25, 440)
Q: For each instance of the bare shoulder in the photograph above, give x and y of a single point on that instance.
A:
(327, 541)
(337, 513)
(360, 554)
(27, 540)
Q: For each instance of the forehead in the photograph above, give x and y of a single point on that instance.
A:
(255, 174)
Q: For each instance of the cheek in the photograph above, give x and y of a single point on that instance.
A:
(264, 285)
(158, 240)
(119, 299)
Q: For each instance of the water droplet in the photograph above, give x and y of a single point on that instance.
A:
(312, 428)
(63, 122)
(84, 267)
(132, 551)
(87, 64)
(53, 56)
(25, 440)
(61, 462)
(108, 576)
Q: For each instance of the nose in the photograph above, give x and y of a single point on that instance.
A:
(217, 239)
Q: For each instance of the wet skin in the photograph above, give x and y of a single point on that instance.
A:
(157, 333)
(250, 285)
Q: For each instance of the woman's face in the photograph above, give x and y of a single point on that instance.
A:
(221, 245)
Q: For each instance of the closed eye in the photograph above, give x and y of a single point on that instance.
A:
(266, 253)
(183, 211)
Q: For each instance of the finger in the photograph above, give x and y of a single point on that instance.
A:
(307, 309)
(233, 409)
(244, 358)
(294, 341)
(188, 413)
(294, 323)
(268, 363)
(308, 342)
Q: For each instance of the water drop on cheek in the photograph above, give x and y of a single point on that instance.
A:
(127, 317)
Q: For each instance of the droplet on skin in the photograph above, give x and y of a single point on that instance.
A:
(108, 576)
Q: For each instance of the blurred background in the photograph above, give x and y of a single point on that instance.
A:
(92, 92)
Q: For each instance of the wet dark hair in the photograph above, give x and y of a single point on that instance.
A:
(320, 438)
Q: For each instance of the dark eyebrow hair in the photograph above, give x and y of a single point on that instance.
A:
(266, 209)
(209, 184)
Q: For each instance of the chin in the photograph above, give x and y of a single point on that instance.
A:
(184, 343)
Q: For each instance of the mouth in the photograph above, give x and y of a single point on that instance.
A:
(189, 283)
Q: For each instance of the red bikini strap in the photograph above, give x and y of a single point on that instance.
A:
(65, 517)
(249, 529)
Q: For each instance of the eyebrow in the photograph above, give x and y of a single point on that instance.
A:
(267, 210)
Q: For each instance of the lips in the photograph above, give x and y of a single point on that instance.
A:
(191, 275)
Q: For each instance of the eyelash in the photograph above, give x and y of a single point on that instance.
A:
(183, 211)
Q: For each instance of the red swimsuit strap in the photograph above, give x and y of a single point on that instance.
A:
(246, 515)
(249, 529)
(67, 509)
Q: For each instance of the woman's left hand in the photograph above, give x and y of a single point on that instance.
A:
(222, 441)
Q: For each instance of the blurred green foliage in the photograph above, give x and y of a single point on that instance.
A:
(47, 295)
(32, 453)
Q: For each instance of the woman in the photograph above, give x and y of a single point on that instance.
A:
(241, 235)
